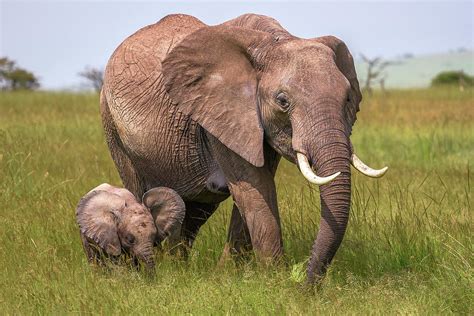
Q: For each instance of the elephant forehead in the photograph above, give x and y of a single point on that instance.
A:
(138, 214)
(141, 224)
(301, 62)
(145, 227)
(309, 80)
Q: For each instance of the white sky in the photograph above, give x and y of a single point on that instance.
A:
(57, 39)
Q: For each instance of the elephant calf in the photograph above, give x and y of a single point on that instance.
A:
(111, 220)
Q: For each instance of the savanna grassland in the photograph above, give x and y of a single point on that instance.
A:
(408, 248)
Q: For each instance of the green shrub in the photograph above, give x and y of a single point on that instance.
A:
(452, 78)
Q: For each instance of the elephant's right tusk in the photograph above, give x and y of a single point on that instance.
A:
(308, 173)
(366, 170)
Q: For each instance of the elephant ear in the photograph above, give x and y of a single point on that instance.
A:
(167, 209)
(345, 63)
(212, 76)
(97, 215)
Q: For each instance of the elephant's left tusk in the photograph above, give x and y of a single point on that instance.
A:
(308, 173)
(366, 170)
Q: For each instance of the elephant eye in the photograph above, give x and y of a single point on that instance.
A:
(130, 239)
(282, 100)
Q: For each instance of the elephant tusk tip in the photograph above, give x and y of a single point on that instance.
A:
(366, 170)
(334, 176)
(383, 171)
(379, 173)
(323, 180)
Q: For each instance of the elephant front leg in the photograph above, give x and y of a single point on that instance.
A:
(260, 212)
(254, 194)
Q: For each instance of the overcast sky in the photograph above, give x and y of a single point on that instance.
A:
(58, 39)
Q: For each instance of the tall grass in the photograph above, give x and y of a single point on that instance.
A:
(408, 248)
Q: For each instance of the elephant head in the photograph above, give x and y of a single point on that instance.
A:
(301, 96)
(111, 220)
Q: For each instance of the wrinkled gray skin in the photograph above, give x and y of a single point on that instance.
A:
(209, 110)
(111, 220)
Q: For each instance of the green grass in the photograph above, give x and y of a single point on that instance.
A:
(408, 248)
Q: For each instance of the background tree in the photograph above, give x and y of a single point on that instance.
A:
(13, 77)
(6, 66)
(459, 78)
(94, 76)
(375, 72)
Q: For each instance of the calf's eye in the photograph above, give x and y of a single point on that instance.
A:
(130, 239)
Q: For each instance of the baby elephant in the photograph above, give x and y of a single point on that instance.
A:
(111, 220)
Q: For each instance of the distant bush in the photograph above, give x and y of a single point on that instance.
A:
(452, 78)
(13, 77)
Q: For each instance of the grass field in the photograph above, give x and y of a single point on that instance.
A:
(408, 248)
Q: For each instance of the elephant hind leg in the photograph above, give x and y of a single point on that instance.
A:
(197, 215)
(124, 165)
(239, 244)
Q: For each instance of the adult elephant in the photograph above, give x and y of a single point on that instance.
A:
(209, 110)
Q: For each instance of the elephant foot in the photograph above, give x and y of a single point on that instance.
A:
(235, 255)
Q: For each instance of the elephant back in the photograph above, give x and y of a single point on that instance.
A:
(134, 69)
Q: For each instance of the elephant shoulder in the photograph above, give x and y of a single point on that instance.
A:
(134, 69)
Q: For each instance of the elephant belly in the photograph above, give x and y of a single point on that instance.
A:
(210, 188)
(217, 183)
(216, 189)
(191, 171)
(209, 197)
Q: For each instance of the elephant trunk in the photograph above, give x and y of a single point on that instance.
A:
(330, 153)
(145, 255)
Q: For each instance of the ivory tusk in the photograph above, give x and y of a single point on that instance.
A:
(366, 170)
(308, 173)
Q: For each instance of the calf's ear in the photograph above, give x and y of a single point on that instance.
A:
(167, 208)
(98, 214)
